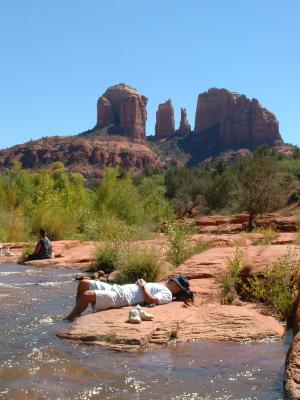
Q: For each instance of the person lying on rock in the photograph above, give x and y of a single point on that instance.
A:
(43, 248)
(102, 295)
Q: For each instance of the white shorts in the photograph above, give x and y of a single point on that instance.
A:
(106, 296)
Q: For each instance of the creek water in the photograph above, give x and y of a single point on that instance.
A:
(35, 364)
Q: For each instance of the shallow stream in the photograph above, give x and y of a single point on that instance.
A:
(35, 364)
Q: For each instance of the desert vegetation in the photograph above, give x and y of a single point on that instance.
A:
(68, 208)
(263, 183)
(120, 204)
(180, 248)
(275, 287)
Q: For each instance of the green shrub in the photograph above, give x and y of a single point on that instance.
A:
(297, 240)
(275, 287)
(118, 196)
(231, 282)
(12, 226)
(58, 223)
(152, 192)
(107, 257)
(137, 264)
(180, 248)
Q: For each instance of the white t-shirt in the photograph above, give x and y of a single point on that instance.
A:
(134, 294)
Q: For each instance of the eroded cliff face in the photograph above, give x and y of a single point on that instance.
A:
(226, 123)
(235, 121)
(89, 155)
(125, 108)
(165, 121)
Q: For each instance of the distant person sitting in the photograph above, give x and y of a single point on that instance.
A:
(43, 248)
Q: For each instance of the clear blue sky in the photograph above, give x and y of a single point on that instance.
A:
(57, 57)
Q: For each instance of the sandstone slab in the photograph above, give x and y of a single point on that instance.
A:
(172, 321)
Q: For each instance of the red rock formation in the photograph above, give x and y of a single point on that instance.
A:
(89, 155)
(123, 107)
(184, 126)
(105, 114)
(235, 120)
(165, 122)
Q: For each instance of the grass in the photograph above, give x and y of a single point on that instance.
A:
(275, 287)
(180, 248)
(136, 264)
(174, 332)
(297, 240)
(110, 337)
(107, 257)
(231, 282)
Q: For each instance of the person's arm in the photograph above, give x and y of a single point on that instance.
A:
(149, 299)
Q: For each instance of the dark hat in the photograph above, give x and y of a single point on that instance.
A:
(182, 281)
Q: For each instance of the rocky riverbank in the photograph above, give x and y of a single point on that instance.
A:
(207, 319)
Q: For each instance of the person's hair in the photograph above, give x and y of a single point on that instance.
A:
(187, 296)
(185, 293)
(42, 232)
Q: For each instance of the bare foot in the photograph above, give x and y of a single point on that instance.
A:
(68, 318)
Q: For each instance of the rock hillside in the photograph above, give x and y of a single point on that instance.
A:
(227, 125)
(89, 155)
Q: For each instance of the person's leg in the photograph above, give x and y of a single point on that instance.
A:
(83, 286)
(84, 300)
(99, 299)
(88, 285)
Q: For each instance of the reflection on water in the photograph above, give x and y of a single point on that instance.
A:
(35, 364)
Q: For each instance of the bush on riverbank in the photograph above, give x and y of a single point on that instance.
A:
(275, 286)
(128, 263)
(180, 248)
(107, 257)
(139, 263)
(231, 282)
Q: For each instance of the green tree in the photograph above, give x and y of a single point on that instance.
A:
(152, 191)
(259, 186)
(185, 188)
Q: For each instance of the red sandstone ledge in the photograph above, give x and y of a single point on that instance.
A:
(206, 320)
